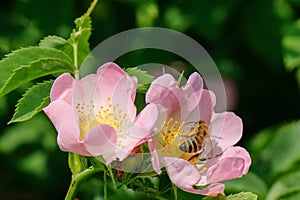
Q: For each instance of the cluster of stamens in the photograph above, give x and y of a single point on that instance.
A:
(170, 130)
(90, 115)
(171, 136)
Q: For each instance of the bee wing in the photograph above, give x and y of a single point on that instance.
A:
(187, 128)
(186, 131)
(208, 148)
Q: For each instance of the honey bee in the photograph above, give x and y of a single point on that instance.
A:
(197, 137)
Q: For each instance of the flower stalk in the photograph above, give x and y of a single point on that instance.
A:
(76, 180)
(104, 185)
(174, 190)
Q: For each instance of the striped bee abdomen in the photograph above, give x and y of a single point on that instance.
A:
(191, 145)
(195, 139)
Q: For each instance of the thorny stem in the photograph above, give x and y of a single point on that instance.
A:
(76, 180)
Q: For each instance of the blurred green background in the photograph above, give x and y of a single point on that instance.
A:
(255, 44)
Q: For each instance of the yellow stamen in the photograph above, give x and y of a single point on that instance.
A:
(106, 114)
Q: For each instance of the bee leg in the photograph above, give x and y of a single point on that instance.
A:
(200, 151)
(194, 159)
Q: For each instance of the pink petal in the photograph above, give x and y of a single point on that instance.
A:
(206, 105)
(164, 91)
(145, 121)
(212, 190)
(194, 84)
(204, 109)
(100, 139)
(62, 117)
(154, 156)
(113, 82)
(138, 133)
(84, 90)
(153, 143)
(182, 173)
(233, 163)
(110, 74)
(190, 100)
(186, 176)
(226, 130)
(179, 102)
(62, 88)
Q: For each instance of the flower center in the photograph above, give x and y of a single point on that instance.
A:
(184, 140)
(90, 115)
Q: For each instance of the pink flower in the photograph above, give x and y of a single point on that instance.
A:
(190, 161)
(97, 116)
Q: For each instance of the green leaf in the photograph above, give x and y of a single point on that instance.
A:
(250, 182)
(35, 69)
(298, 76)
(282, 153)
(53, 41)
(286, 187)
(33, 101)
(219, 197)
(31, 58)
(291, 46)
(144, 79)
(99, 166)
(57, 43)
(77, 163)
(79, 37)
(242, 196)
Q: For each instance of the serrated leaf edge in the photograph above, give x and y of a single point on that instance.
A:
(15, 71)
(52, 36)
(36, 109)
(7, 56)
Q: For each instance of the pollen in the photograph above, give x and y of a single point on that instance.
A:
(173, 134)
(90, 115)
(170, 130)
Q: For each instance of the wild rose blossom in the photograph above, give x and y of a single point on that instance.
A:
(96, 115)
(179, 111)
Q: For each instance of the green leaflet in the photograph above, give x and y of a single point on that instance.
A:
(80, 35)
(35, 69)
(219, 197)
(238, 196)
(291, 48)
(249, 182)
(242, 196)
(77, 163)
(53, 41)
(59, 43)
(32, 102)
(286, 187)
(144, 79)
(282, 152)
(99, 166)
(33, 62)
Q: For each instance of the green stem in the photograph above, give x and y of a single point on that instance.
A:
(175, 191)
(105, 185)
(91, 8)
(75, 54)
(76, 180)
(112, 177)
